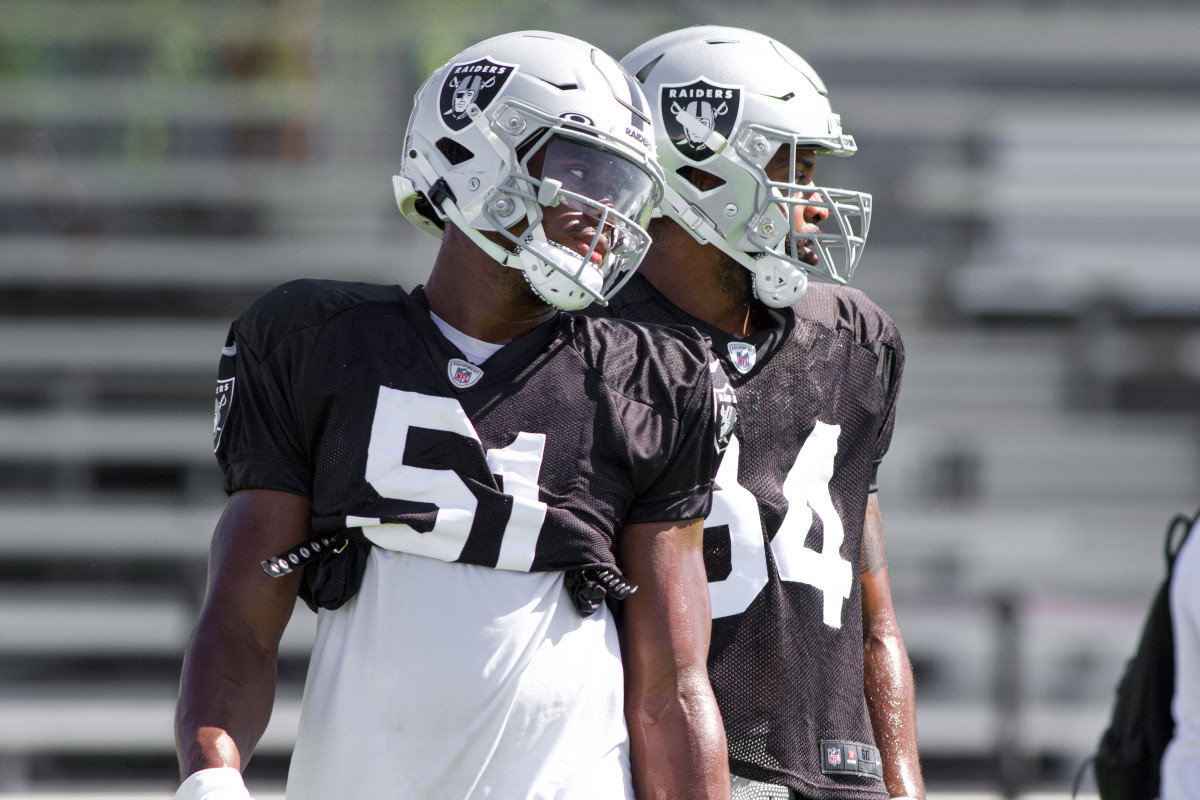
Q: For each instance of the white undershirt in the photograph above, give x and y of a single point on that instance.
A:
(458, 682)
(477, 351)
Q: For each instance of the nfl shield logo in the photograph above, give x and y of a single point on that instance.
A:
(699, 116)
(467, 85)
(743, 356)
(463, 373)
(833, 755)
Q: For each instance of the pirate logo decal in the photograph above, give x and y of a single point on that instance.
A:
(700, 116)
(473, 84)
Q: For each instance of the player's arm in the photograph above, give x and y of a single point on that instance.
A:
(677, 738)
(887, 674)
(228, 683)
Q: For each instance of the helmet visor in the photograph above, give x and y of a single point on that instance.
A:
(600, 176)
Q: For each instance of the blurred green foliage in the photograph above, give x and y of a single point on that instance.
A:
(140, 79)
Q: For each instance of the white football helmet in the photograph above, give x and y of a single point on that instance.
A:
(481, 119)
(725, 100)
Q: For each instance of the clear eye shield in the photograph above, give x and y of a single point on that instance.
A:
(588, 175)
(600, 241)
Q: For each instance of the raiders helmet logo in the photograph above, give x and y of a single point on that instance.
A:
(463, 374)
(700, 116)
(473, 84)
(743, 356)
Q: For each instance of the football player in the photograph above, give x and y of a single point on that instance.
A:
(1180, 765)
(464, 478)
(807, 662)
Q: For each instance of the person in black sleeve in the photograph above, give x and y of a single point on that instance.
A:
(807, 663)
(465, 480)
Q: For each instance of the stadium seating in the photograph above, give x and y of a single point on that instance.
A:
(162, 164)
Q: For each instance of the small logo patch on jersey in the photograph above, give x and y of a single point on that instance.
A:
(463, 374)
(724, 406)
(474, 84)
(855, 757)
(699, 116)
(743, 356)
(221, 405)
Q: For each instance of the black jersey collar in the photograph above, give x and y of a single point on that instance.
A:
(780, 322)
(503, 364)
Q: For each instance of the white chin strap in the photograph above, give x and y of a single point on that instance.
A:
(777, 283)
(548, 266)
(551, 283)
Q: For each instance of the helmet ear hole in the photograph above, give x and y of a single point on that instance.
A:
(426, 210)
(454, 152)
(704, 181)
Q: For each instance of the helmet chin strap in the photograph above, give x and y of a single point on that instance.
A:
(546, 264)
(448, 207)
(557, 274)
(777, 282)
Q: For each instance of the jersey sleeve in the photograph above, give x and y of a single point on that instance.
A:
(256, 437)
(683, 488)
(890, 350)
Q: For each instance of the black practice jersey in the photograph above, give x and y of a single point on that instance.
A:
(816, 397)
(347, 393)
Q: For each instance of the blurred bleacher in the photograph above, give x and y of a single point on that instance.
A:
(1036, 237)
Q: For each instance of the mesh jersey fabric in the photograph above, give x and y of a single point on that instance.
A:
(626, 416)
(816, 410)
(347, 393)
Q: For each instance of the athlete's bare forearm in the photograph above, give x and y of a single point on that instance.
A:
(888, 683)
(887, 674)
(677, 739)
(677, 743)
(228, 684)
(225, 701)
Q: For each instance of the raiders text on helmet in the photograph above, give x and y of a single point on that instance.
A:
(480, 120)
(725, 101)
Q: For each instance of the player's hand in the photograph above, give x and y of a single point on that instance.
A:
(218, 783)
